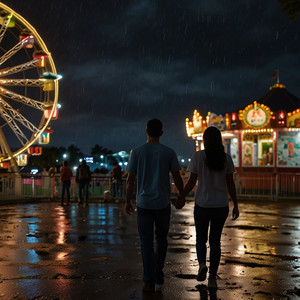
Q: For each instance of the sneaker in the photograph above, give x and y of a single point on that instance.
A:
(202, 273)
(148, 287)
(212, 282)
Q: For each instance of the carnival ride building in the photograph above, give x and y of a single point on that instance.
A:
(263, 137)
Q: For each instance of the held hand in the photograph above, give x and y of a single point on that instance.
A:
(235, 213)
(179, 202)
(128, 208)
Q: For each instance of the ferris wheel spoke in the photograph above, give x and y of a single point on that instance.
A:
(22, 99)
(19, 68)
(13, 125)
(17, 116)
(22, 82)
(4, 26)
(13, 50)
(28, 85)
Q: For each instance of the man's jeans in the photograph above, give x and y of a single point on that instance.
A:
(83, 188)
(215, 218)
(153, 261)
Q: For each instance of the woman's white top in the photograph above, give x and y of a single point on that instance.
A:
(211, 190)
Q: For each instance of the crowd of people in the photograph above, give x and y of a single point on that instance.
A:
(83, 180)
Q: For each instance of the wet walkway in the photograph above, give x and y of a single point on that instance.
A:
(71, 252)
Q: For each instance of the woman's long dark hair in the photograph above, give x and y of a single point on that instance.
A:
(214, 149)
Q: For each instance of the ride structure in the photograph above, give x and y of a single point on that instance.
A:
(263, 140)
(28, 88)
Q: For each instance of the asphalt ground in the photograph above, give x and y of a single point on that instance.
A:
(52, 252)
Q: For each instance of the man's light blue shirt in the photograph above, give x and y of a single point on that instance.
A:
(152, 164)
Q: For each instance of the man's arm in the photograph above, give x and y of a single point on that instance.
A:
(232, 193)
(129, 190)
(179, 185)
(180, 201)
(178, 181)
(190, 184)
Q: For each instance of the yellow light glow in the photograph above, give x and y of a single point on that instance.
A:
(43, 47)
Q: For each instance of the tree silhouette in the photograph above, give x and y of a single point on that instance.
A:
(48, 159)
(74, 154)
(290, 7)
(97, 150)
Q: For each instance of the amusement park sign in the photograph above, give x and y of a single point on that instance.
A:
(255, 115)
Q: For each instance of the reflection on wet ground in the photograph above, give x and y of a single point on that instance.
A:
(71, 252)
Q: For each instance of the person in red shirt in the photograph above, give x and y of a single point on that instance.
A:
(65, 178)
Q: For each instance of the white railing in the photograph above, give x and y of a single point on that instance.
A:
(272, 186)
(29, 186)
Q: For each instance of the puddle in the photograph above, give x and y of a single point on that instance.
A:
(186, 276)
(261, 279)
(282, 257)
(64, 276)
(179, 236)
(247, 264)
(249, 227)
(103, 259)
(179, 250)
(42, 253)
(184, 223)
(263, 293)
(271, 214)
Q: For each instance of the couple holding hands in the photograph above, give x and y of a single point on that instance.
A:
(150, 164)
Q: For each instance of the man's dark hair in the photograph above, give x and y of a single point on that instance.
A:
(154, 127)
(65, 163)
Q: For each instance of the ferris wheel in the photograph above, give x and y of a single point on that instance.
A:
(28, 86)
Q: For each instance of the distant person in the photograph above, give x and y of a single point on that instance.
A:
(46, 181)
(213, 169)
(270, 157)
(83, 178)
(65, 178)
(265, 157)
(151, 164)
(116, 174)
(52, 172)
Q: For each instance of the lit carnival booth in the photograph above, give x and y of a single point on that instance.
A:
(263, 140)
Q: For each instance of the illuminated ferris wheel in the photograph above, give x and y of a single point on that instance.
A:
(28, 86)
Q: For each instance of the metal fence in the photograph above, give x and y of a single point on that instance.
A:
(272, 186)
(26, 186)
(249, 185)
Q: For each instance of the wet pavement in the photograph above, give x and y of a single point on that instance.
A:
(53, 252)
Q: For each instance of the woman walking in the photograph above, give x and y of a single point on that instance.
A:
(213, 169)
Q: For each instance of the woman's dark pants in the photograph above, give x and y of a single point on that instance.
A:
(215, 219)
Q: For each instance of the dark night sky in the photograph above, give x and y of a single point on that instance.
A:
(125, 61)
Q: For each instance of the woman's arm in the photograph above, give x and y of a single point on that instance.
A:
(232, 193)
(190, 184)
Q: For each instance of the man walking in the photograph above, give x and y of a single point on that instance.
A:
(83, 178)
(151, 164)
